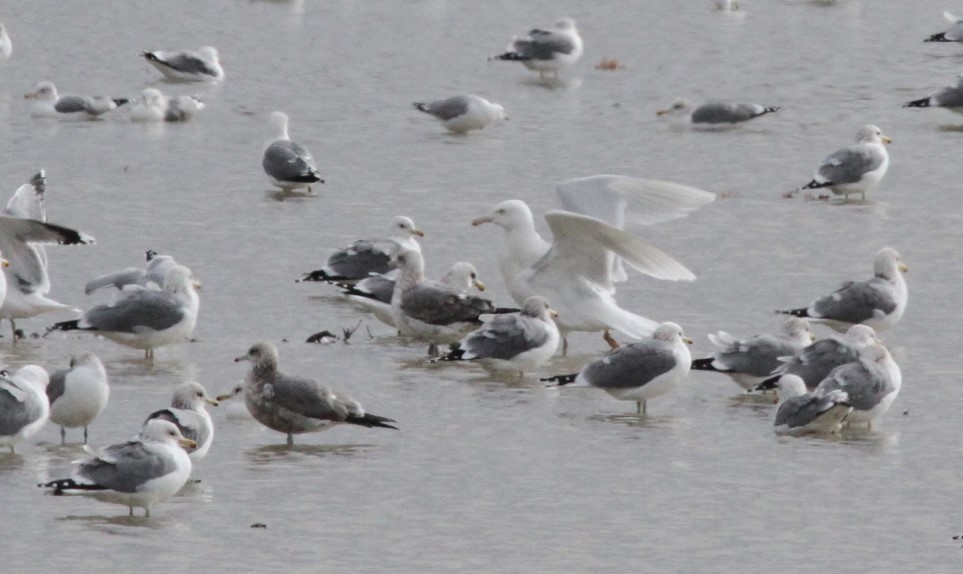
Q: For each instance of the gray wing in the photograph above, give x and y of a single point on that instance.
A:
(139, 312)
(438, 305)
(506, 336)
(543, 45)
(119, 279)
(69, 104)
(307, 397)
(28, 271)
(800, 411)
(191, 424)
(360, 260)
(815, 362)
(856, 301)
(287, 161)
(725, 113)
(446, 109)
(849, 164)
(950, 96)
(16, 408)
(865, 385)
(376, 287)
(126, 467)
(630, 366)
(757, 356)
(57, 385)
(28, 201)
(185, 62)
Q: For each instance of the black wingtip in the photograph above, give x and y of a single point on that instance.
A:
(920, 103)
(767, 385)
(120, 101)
(704, 364)
(149, 56)
(561, 379)
(322, 337)
(321, 275)
(456, 354)
(511, 57)
(794, 312)
(372, 421)
(421, 106)
(771, 109)
(941, 37)
(39, 181)
(65, 326)
(816, 185)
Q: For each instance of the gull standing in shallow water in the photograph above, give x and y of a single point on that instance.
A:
(801, 412)
(460, 114)
(878, 302)
(872, 384)
(952, 34)
(856, 168)
(137, 474)
(287, 164)
(815, 362)
(187, 66)
(638, 371)
(949, 98)
(716, 114)
(78, 394)
(49, 104)
(546, 50)
(188, 413)
(293, 404)
(24, 407)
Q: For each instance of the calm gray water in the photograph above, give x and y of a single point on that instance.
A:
(487, 475)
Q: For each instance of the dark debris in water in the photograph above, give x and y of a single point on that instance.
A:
(259, 525)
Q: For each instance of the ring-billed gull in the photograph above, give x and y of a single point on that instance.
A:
(6, 46)
(47, 103)
(516, 341)
(145, 318)
(949, 98)
(78, 394)
(856, 168)
(546, 50)
(287, 164)
(366, 257)
(151, 275)
(638, 371)
(188, 413)
(801, 412)
(749, 361)
(952, 34)
(815, 362)
(714, 114)
(137, 474)
(578, 269)
(187, 66)
(460, 114)
(872, 384)
(154, 106)
(878, 302)
(293, 405)
(24, 407)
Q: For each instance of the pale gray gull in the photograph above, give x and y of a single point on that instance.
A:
(716, 114)
(460, 114)
(287, 164)
(952, 34)
(151, 276)
(815, 362)
(854, 169)
(47, 103)
(546, 50)
(187, 66)
(78, 394)
(366, 257)
(872, 384)
(189, 413)
(949, 98)
(154, 106)
(24, 407)
(801, 412)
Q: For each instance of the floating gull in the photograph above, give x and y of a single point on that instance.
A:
(145, 318)
(638, 371)
(48, 104)
(878, 302)
(815, 362)
(295, 405)
(872, 384)
(577, 271)
(715, 114)
(801, 412)
(156, 107)
(856, 168)
(547, 50)
(460, 114)
(78, 394)
(23, 404)
(6, 46)
(188, 413)
(952, 34)
(151, 276)
(188, 66)
(366, 257)
(749, 361)
(287, 164)
(514, 341)
(137, 473)
(949, 98)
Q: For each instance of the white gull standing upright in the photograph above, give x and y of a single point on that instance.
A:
(857, 168)
(546, 50)
(201, 65)
(78, 394)
(287, 164)
(460, 114)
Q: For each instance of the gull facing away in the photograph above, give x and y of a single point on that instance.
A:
(952, 34)
(287, 164)
(187, 66)
(145, 318)
(293, 405)
(949, 98)
(47, 103)
(6, 46)
(578, 270)
(137, 474)
(878, 302)
(23, 404)
(716, 114)
(749, 361)
(815, 362)
(854, 169)
(638, 371)
(151, 276)
(872, 384)
(154, 106)
(188, 413)
(460, 114)
(546, 50)
(78, 394)
(366, 257)
(516, 341)
(801, 412)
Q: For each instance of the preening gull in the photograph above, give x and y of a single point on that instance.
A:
(287, 164)
(293, 404)
(856, 168)
(78, 394)
(952, 34)
(872, 384)
(157, 107)
(49, 104)
(516, 341)
(6, 46)
(577, 271)
(145, 318)
(714, 114)
(950, 98)
(366, 257)
(801, 412)
(151, 276)
(815, 362)
(638, 371)
(188, 413)
(137, 474)
(23, 404)
(460, 114)
(546, 50)
(749, 361)
(187, 66)
(878, 302)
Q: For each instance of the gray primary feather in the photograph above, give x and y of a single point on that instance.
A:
(446, 109)
(865, 382)
(16, 408)
(506, 336)
(816, 361)
(856, 301)
(848, 165)
(141, 310)
(437, 304)
(126, 467)
(726, 113)
(631, 365)
(802, 410)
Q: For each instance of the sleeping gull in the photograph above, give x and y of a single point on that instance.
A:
(878, 302)
(293, 404)
(577, 271)
(287, 164)
(151, 276)
(547, 50)
(145, 318)
(516, 341)
(188, 413)
(49, 104)
(78, 394)
(187, 66)
(638, 371)
(814, 363)
(949, 98)
(801, 412)
(856, 168)
(715, 114)
(157, 107)
(749, 361)
(952, 34)
(6, 46)
(137, 473)
(366, 257)
(460, 114)
(23, 404)
(872, 384)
